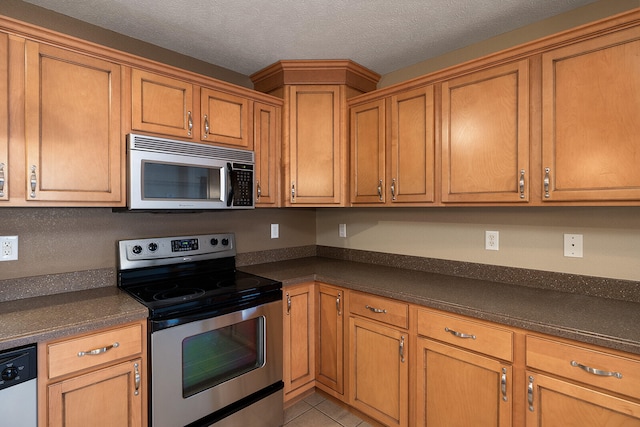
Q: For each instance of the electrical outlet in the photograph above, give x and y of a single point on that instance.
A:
(342, 230)
(275, 231)
(491, 240)
(573, 245)
(8, 248)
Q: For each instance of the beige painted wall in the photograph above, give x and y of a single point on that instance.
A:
(529, 237)
(59, 240)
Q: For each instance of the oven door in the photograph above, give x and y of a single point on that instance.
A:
(202, 367)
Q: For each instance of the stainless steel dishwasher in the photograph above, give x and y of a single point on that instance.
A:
(18, 391)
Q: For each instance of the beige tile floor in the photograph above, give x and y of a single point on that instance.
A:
(316, 411)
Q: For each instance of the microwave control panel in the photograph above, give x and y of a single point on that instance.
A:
(242, 178)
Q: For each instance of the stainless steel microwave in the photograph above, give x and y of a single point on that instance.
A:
(165, 174)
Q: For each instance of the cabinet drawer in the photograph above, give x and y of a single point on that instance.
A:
(379, 308)
(573, 362)
(73, 355)
(468, 334)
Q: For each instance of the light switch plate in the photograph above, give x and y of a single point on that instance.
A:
(275, 231)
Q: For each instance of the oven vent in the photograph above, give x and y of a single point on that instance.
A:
(149, 143)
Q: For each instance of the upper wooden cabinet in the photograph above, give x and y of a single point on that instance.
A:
(485, 135)
(73, 147)
(4, 116)
(590, 125)
(167, 106)
(315, 139)
(392, 149)
(266, 145)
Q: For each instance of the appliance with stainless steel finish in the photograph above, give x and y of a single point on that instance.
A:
(215, 339)
(18, 391)
(164, 174)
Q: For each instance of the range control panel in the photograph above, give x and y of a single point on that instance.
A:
(168, 250)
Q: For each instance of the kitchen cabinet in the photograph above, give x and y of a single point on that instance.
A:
(299, 340)
(464, 372)
(267, 144)
(379, 358)
(97, 378)
(576, 385)
(395, 168)
(590, 126)
(314, 125)
(485, 135)
(4, 116)
(330, 303)
(167, 106)
(67, 151)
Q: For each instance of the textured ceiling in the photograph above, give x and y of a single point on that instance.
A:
(247, 35)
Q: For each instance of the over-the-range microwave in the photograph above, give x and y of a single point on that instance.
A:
(165, 174)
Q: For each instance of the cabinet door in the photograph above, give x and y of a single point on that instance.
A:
(460, 388)
(4, 117)
(329, 330)
(379, 371)
(299, 342)
(105, 398)
(225, 119)
(485, 136)
(555, 402)
(73, 143)
(161, 105)
(368, 142)
(266, 125)
(315, 146)
(591, 105)
(411, 168)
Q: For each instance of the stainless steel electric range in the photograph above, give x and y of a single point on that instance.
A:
(215, 333)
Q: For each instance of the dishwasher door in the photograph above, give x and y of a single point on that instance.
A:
(18, 387)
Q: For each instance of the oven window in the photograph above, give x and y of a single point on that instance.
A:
(169, 181)
(214, 357)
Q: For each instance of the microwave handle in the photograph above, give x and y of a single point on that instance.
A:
(229, 186)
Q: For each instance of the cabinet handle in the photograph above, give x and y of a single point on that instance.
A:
(1, 179)
(503, 384)
(380, 190)
(136, 379)
(258, 189)
(393, 189)
(189, 123)
(98, 351)
(530, 394)
(34, 181)
(288, 304)
(595, 371)
(338, 303)
(521, 182)
(402, 349)
(547, 180)
(206, 126)
(459, 334)
(293, 191)
(375, 310)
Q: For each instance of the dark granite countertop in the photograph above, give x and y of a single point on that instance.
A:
(601, 321)
(30, 320)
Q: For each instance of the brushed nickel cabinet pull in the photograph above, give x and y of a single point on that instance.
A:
(136, 379)
(34, 181)
(206, 126)
(459, 334)
(402, 349)
(293, 191)
(189, 123)
(258, 189)
(338, 303)
(530, 394)
(380, 190)
(98, 351)
(288, 304)
(521, 182)
(393, 189)
(375, 310)
(547, 181)
(1, 179)
(503, 384)
(595, 371)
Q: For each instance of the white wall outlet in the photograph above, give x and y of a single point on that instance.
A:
(342, 230)
(8, 248)
(491, 240)
(275, 231)
(573, 245)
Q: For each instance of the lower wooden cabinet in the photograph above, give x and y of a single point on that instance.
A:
(330, 302)
(299, 340)
(97, 379)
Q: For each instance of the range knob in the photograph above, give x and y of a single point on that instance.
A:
(214, 242)
(153, 247)
(10, 373)
(225, 242)
(137, 249)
